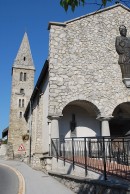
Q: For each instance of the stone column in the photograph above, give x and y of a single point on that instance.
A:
(55, 126)
(55, 133)
(105, 129)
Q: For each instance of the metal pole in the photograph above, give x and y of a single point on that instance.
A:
(124, 153)
(57, 150)
(73, 151)
(64, 150)
(50, 142)
(85, 155)
(104, 159)
(30, 132)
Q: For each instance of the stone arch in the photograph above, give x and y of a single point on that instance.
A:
(120, 123)
(116, 103)
(79, 119)
(85, 104)
(76, 100)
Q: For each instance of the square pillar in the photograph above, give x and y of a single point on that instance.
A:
(55, 126)
(105, 129)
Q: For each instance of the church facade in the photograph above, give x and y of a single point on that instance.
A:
(80, 91)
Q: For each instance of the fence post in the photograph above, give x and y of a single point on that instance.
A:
(57, 149)
(51, 151)
(104, 160)
(85, 155)
(73, 151)
(110, 149)
(64, 151)
(124, 151)
(89, 145)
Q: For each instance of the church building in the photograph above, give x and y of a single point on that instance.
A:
(82, 90)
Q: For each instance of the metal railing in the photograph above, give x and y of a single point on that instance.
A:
(108, 155)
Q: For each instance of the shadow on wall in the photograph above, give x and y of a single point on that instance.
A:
(3, 150)
(101, 187)
(85, 122)
(90, 186)
(70, 169)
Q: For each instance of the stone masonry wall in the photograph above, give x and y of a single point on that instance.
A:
(83, 186)
(39, 130)
(83, 62)
(18, 126)
(34, 126)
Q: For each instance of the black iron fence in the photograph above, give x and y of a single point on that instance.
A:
(103, 154)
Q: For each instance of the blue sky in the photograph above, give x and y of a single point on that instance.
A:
(32, 16)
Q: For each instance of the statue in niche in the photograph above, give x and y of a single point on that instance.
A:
(123, 49)
(73, 126)
(123, 46)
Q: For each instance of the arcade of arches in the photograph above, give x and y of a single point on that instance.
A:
(82, 119)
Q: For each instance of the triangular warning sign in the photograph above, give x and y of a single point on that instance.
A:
(21, 148)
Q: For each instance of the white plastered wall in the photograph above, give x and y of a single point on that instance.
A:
(45, 134)
(86, 125)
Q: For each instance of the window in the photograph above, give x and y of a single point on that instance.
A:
(20, 115)
(21, 76)
(25, 76)
(23, 103)
(19, 102)
(21, 91)
(24, 58)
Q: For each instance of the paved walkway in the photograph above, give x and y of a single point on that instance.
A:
(37, 182)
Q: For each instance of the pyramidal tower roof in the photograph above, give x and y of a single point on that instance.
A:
(24, 57)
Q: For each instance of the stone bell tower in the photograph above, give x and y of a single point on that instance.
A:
(22, 86)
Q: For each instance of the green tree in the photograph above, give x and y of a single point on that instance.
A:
(75, 3)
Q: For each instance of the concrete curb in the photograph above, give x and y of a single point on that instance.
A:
(20, 178)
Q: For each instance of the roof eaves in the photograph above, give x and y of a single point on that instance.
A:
(6, 129)
(5, 132)
(56, 24)
(99, 11)
(42, 75)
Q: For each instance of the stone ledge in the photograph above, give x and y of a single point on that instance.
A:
(45, 157)
(108, 184)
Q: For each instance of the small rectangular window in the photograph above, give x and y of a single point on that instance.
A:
(25, 76)
(23, 103)
(20, 115)
(21, 91)
(21, 76)
(19, 102)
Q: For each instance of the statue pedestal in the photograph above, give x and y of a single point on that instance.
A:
(126, 82)
(125, 69)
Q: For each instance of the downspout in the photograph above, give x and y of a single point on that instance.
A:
(30, 131)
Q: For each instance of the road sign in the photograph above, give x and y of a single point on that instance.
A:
(21, 148)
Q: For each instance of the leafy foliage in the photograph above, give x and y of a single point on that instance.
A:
(71, 3)
(75, 3)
